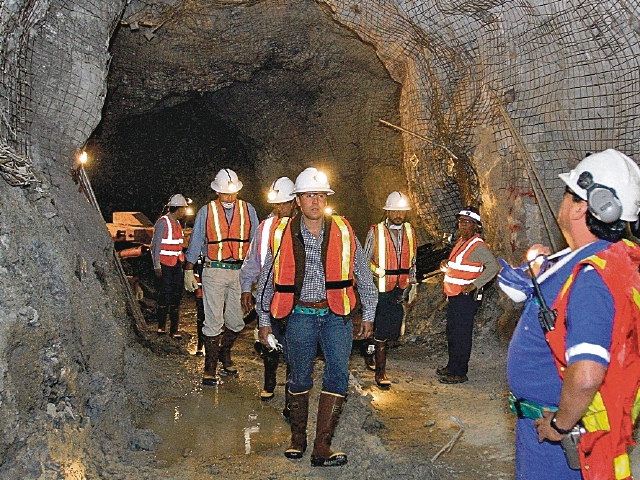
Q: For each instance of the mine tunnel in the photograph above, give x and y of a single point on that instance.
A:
(293, 89)
(455, 103)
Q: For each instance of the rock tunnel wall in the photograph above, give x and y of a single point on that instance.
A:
(497, 96)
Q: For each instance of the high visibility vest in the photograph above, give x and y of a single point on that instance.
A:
(384, 262)
(610, 417)
(227, 240)
(265, 231)
(338, 251)
(460, 271)
(171, 244)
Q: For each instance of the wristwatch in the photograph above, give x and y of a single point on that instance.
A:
(561, 431)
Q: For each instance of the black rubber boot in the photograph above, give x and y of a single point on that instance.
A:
(271, 360)
(174, 318)
(161, 316)
(381, 364)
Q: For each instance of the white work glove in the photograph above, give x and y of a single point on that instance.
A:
(190, 284)
(413, 293)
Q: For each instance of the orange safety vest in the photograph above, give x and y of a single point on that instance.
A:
(171, 243)
(338, 251)
(460, 271)
(610, 417)
(384, 262)
(227, 240)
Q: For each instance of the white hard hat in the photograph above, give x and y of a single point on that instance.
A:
(226, 181)
(281, 191)
(311, 180)
(397, 201)
(470, 212)
(178, 200)
(610, 183)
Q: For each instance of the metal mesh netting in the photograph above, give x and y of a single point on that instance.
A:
(501, 95)
(53, 78)
(547, 81)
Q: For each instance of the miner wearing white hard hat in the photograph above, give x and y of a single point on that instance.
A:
(391, 249)
(222, 232)
(167, 258)
(282, 199)
(470, 266)
(573, 360)
(310, 275)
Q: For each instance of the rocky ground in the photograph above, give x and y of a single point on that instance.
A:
(198, 432)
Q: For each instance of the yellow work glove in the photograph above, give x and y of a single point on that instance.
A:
(190, 284)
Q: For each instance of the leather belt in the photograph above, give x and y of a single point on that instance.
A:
(320, 304)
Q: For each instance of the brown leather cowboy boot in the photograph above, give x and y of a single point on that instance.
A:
(210, 376)
(298, 406)
(381, 364)
(329, 409)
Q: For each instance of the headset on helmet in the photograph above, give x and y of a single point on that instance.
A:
(601, 200)
(609, 181)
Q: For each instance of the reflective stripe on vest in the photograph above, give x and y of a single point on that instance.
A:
(264, 234)
(341, 298)
(284, 270)
(227, 240)
(460, 271)
(171, 243)
(387, 258)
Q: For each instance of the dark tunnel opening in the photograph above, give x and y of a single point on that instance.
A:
(173, 150)
(292, 90)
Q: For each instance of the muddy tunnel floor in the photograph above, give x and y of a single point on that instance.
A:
(228, 431)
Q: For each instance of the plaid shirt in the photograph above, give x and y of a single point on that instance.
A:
(313, 285)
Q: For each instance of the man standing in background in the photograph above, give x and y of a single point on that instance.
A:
(282, 198)
(222, 232)
(391, 249)
(167, 257)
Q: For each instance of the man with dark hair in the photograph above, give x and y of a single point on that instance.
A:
(470, 266)
(282, 198)
(310, 275)
(391, 249)
(573, 363)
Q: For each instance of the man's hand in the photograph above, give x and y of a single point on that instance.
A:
(246, 300)
(263, 333)
(366, 330)
(157, 272)
(190, 284)
(544, 428)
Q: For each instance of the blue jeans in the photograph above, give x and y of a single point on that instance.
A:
(303, 335)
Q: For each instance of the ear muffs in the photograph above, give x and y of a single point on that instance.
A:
(602, 201)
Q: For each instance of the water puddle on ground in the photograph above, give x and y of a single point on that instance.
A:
(224, 420)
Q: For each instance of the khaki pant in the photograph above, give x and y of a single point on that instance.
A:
(221, 298)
